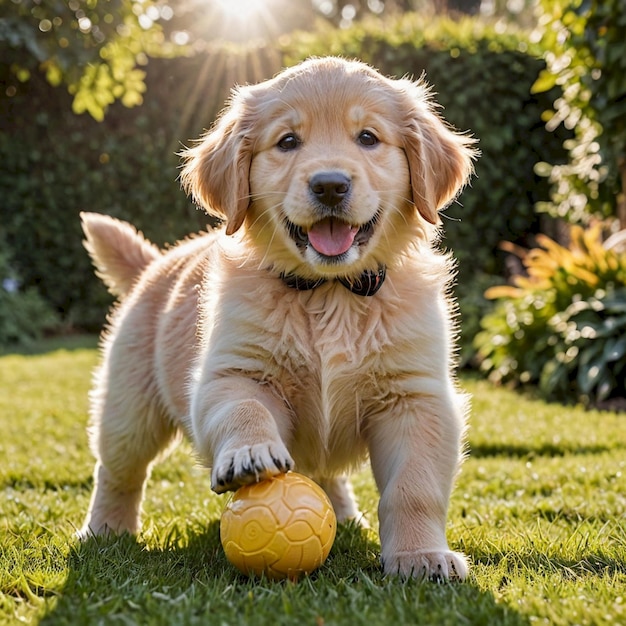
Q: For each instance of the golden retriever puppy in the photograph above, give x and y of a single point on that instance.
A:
(311, 331)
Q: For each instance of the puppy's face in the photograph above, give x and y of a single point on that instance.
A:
(332, 168)
(329, 180)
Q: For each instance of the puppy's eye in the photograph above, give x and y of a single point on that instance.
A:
(289, 142)
(367, 138)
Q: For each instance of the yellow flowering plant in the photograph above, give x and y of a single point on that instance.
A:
(561, 325)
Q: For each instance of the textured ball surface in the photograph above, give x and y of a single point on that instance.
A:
(282, 527)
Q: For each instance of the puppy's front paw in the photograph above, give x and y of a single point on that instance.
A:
(437, 566)
(249, 464)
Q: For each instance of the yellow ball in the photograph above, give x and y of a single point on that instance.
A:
(282, 527)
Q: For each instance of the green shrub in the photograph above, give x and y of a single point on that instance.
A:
(590, 354)
(56, 164)
(24, 314)
(587, 58)
(562, 326)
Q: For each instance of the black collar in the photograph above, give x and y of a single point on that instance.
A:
(367, 284)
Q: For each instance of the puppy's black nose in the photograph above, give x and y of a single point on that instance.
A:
(330, 188)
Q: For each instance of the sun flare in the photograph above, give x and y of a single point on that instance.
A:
(242, 20)
(242, 9)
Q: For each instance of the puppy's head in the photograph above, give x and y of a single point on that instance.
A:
(333, 168)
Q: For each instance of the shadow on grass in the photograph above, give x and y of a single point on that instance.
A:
(120, 580)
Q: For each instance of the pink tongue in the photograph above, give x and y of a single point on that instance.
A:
(332, 237)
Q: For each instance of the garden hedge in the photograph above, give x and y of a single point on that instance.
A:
(56, 164)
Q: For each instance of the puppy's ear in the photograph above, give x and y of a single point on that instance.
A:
(440, 159)
(216, 171)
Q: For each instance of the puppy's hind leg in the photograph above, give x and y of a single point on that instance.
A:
(128, 432)
(339, 490)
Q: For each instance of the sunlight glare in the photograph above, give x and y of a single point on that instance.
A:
(241, 8)
(246, 20)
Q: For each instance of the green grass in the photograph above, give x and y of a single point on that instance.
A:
(540, 507)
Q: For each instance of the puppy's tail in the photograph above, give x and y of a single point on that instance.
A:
(119, 252)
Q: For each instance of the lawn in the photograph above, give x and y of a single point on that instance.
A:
(540, 508)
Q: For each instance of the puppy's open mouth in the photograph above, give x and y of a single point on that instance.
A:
(331, 237)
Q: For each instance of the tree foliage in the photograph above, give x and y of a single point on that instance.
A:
(587, 58)
(99, 49)
(95, 47)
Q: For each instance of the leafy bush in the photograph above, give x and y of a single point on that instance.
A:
(56, 164)
(24, 315)
(561, 326)
(591, 350)
(587, 58)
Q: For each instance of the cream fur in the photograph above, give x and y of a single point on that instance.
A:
(207, 339)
